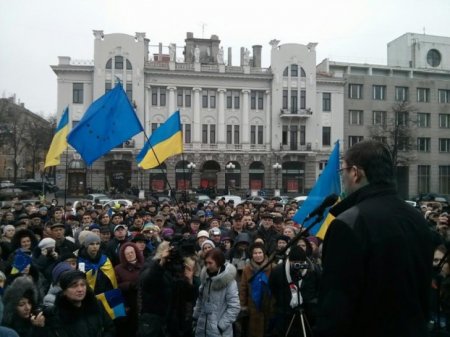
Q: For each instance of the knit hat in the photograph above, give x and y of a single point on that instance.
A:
(297, 254)
(313, 239)
(203, 234)
(208, 242)
(67, 278)
(94, 226)
(47, 243)
(91, 238)
(284, 238)
(167, 232)
(7, 227)
(58, 270)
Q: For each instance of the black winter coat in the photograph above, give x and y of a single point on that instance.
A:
(377, 267)
(89, 320)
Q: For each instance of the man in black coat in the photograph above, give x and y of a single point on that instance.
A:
(377, 255)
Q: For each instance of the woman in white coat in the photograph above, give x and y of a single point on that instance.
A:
(218, 305)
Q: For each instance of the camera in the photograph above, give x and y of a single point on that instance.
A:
(36, 311)
(299, 265)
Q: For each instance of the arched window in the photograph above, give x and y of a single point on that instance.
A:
(286, 71)
(302, 72)
(109, 64)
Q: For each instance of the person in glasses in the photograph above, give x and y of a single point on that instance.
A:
(377, 255)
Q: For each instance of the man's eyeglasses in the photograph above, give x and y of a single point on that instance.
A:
(347, 168)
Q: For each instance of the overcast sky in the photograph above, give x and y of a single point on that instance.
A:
(34, 33)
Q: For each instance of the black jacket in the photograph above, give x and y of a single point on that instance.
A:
(67, 320)
(377, 267)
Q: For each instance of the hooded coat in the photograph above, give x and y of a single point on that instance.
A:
(21, 287)
(218, 305)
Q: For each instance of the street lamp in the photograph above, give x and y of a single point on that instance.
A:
(191, 167)
(229, 167)
(277, 167)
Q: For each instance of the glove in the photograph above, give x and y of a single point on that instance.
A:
(54, 255)
(44, 251)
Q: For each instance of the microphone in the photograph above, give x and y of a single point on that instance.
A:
(327, 202)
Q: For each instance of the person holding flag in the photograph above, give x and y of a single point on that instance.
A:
(377, 255)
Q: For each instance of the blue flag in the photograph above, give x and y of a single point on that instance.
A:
(329, 182)
(107, 123)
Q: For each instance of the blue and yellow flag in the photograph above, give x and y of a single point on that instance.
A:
(21, 261)
(328, 183)
(107, 123)
(165, 141)
(113, 302)
(59, 142)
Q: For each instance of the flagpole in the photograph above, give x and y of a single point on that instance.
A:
(184, 177)
(65, 178)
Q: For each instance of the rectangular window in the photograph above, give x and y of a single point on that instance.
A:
(162, 97)
(423, 178)
(187, 98)
(108, 87)
(253, 100)
(401, 118)
(423, 95)
(205, 99)
(355, 91)
(326, 136)
(423, 144)
(284, 135)
(229, 134)
(380, 139)
(444, 179)
(129, 91)
(187, 133)
(444, 121)
(260, 100)
(444, 145)
(355, 117)
(154, 96)
(204, 133)
(423, 120)
(302, 134)
(154, 127)
(212, 99)
(75, 123)
(212, 134)
(326, 101)
(379, 118)
(352, 140)
(444, 96)
(293, 137)
(236, 99)
(379, 92)
(403, 143)
(180, 97)
(294, 70)
(229, 99)
(118, 62)
(253, 134)
(401, 94)
(285, 99)
(260, 134)
(77, 93)
(236, 135)
(302, 99)
(294, 101)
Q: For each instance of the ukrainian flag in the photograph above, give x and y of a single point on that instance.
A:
(165, 141)
(329, 182)
(113, 303)
(59, 142)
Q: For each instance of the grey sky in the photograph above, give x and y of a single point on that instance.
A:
(34, 33)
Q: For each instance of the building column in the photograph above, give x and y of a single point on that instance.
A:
(245, 127)
(268, 121)
(148, 105)
(221, 117)
(172, 104)
(197, 122)
(289, 89)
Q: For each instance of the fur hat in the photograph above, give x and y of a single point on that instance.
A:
(69, 277)
(21, 287)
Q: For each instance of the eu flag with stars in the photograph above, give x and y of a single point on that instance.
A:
(107, 123)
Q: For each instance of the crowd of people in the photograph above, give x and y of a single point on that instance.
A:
(186, 269)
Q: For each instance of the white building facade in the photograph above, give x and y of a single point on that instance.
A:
(238, 121)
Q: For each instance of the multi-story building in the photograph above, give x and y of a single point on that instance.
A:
(245, 127)
(412, 91)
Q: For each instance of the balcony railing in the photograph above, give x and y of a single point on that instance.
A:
(301, 113)
(296, 147)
